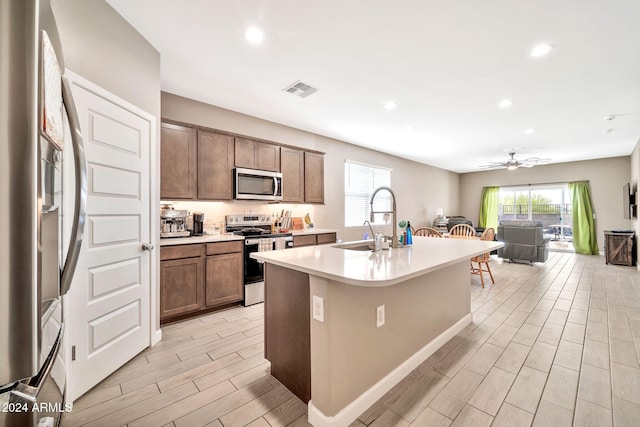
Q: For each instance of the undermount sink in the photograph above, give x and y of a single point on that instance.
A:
(356, 246)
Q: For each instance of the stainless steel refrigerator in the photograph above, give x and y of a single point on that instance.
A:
(39, 131)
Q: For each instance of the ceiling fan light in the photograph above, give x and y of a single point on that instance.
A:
(512, 167)
(505, 103)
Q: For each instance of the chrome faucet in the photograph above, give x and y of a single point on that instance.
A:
(394, 237)
(373, 235)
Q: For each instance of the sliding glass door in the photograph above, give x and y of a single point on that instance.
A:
(549, 204)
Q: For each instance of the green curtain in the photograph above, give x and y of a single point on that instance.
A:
(489, 208)
(584, 231)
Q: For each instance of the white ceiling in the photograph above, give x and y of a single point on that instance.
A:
(446, 64)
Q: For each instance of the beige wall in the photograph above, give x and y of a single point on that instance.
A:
(99, 45)
(420, 189)
(606, 178)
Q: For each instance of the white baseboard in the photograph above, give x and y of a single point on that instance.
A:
(156, 337)
(363, 402)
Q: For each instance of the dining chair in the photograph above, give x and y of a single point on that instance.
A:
(462, 231)
(427, 231)
(487, 234)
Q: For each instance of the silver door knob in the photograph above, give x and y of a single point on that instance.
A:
(147, 247)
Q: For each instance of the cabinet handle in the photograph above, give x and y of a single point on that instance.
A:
(147, 247)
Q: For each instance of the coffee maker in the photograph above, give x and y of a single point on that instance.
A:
(173, 223)
(198, 223)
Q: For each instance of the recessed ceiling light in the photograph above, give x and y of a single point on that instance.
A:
(254, 35)
(541, 50)
(529, 131)
(390, 105)
(505, 103)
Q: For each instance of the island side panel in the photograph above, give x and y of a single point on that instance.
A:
(287, 328)
(350, 354)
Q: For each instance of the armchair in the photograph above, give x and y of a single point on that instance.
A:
(523, 241)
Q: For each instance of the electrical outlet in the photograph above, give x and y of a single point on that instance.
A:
(380, 316)
(318, 308)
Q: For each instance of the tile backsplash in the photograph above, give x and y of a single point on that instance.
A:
(214, 212)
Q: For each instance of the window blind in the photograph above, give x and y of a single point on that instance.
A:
(360, 182)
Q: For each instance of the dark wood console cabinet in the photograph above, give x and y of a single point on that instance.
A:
(619, 248)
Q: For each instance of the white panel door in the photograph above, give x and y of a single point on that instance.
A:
(110, 294)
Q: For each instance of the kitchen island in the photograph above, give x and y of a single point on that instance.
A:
(328, 338)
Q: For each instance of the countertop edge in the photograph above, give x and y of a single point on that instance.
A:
(264, 256)
(311, 231)
(197, 240)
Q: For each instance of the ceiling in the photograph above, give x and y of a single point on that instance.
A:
(445, 64)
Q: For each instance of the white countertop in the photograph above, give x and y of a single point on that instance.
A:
(207, 238)
(383, 268)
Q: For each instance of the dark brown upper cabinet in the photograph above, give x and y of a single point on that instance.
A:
(313, 177)
(178, 165)
(215, 166)
(257, 155)
(292, 168)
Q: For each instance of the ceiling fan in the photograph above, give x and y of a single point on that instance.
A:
(514, 163)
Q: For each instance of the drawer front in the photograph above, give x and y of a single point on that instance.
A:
(180, 251)
(224, 247)
(326, 238)
(304, 241)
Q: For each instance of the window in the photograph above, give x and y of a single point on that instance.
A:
(549, 204)
(360, 181)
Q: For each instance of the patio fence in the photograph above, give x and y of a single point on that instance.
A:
(550, 215)
(546, 209)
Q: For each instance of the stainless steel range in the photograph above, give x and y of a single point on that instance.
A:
(258, 238)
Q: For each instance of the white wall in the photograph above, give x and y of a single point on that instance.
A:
(606, 178)
(420, 189)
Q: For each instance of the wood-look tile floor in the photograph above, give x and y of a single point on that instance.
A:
(553, 344)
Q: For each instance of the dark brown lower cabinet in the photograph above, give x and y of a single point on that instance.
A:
(180, 286)
(308, 240)
(325, 238)
(199, 278)
(313, 239)
(224, 279)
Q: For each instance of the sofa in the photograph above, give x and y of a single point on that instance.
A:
(523, 241)
(455, 220)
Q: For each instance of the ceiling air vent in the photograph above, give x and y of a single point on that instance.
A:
(301, 89)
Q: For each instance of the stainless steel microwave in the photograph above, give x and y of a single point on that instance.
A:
(252, 184)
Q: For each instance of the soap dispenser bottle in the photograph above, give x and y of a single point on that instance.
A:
(409, 239)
